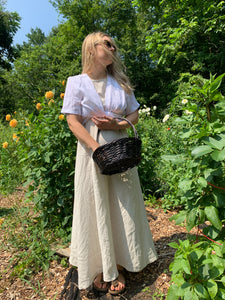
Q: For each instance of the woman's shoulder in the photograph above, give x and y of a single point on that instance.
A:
(77, 77)
(77, 80)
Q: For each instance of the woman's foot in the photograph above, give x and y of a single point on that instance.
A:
(118, 285)
(99, 284)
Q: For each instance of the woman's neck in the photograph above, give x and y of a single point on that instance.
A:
(97, 74)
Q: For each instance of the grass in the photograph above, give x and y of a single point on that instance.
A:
(31, 245)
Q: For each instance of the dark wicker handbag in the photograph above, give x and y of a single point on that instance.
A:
(119, 155)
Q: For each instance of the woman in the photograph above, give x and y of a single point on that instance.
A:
(110, 229)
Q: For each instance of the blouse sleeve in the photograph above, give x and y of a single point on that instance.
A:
(72, 97)
(132, 104)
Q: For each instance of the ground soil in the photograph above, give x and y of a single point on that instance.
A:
(152, 283)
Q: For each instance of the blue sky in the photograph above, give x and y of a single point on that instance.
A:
(34, 13)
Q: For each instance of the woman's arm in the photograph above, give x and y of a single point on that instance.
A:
(75, 125)
(109, 123)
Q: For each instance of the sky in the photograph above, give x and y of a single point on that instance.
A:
(34, 13)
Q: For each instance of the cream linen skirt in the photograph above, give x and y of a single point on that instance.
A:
(110, 226)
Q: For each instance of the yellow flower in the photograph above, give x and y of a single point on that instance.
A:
(27, 124)
(62, 95)
(38, 106)
(5, 145)
(14, 136)
(63, 82)
(14, 112)
(49, 95)
(51, 102)
(8, 117)
(61, 117)
(13, 123)
(1, 221)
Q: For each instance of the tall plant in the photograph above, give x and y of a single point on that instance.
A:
(199, 265)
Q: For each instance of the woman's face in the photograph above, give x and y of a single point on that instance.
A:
(102, 55)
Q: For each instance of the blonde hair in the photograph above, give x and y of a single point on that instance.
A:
(116, 69)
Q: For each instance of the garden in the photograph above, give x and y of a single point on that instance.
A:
(178, 70)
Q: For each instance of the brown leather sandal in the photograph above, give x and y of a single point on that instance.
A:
(105, 289)
(116, 283)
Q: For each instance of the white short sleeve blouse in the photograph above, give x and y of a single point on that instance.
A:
(81, 98)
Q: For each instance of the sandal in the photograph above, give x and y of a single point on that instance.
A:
(105, 289)
(116, 283)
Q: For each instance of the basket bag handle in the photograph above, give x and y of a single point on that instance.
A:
(131, 125)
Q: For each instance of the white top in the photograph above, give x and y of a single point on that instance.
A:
(81, 98)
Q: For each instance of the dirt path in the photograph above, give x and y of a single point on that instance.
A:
(152, 283)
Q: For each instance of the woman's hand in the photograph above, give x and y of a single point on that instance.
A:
(106, 123)
(109, 123)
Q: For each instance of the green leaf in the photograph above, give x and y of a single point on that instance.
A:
(211, 232)
(219, 197)
(188, 295)
(185, 185)
(196, 255)
(218, 144)
(212, 214)
(222, 279)
(174, 245)
(191, 218)
(201, 150)
(216, 83)
(175, 159)
(212, 288)
(201, 291)
(202, 182)
(173, 293)
(181, 264)
(218, 155)
(179, 218)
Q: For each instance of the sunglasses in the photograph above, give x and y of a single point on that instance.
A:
(107, 43)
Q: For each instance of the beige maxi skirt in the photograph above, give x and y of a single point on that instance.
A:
(110, 225)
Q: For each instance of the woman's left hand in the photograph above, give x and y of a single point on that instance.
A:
(106, 123)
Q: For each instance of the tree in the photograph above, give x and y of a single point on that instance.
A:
(9, 24)
(36, 37)
(184, 36)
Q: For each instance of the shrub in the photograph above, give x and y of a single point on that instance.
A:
(47, 149)
(198, 269)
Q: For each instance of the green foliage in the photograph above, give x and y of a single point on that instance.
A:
(32, 244)
(9, 24)
(203, 190)
(10, 168)
(198, 271)
(157, 139)
(44, 149)
(48, 147)
(182, 36)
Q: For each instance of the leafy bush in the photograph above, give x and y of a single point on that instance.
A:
(10, 168)
(201, 266)
(48, 149)
(45, 147)
(159, 137)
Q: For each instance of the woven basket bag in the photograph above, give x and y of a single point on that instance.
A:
(119, 155)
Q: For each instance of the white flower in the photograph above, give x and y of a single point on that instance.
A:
(154, 107)
(187, 112)
(166, 118)
(184, 101)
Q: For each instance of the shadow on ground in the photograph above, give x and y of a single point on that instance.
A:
(140, 286)
(6, 211)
